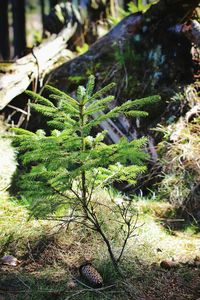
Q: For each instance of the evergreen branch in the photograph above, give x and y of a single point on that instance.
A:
(89, 87)
(39, 98)
(45, 110)
(98, 105)
(23, 132)
(136, 113)
(102, 91)
(145, 101)
(68, 106)
(63, 95)
(81, 92)
(59, 192)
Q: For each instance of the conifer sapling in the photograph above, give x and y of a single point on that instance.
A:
(65, 168)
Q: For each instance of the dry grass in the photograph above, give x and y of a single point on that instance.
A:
(185, 145)
(159, 240)
(180, 158)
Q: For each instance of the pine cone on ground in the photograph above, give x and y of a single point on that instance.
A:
(90, 274)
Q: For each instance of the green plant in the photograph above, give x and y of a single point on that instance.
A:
(132, 8)
(66, 167)
(140, 6)
(82, 49)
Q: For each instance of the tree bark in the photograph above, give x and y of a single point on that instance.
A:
(19, 26)
(4, 31)
(53, 3)
(42, 6)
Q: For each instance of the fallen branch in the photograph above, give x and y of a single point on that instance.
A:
(16, 77)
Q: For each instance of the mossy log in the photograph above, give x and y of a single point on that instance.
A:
(144, 54)
(160, 25)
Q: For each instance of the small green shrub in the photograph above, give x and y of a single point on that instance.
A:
(65, 168)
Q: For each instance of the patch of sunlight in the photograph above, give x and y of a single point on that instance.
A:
(147, 241)
(7, 163)
(15, 225)
(155, 208)
(153, 243)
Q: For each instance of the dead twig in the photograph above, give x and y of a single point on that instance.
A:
(90, 289)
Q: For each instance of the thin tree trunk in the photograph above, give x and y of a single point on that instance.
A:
(53, 3)
(42, 5)
(18, 8)
(4, 31)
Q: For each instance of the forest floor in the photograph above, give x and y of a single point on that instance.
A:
(49, 257)
(48, 263)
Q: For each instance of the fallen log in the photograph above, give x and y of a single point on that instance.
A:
(16, 77)
(162, 50)
(116, 37)
(160, 18)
